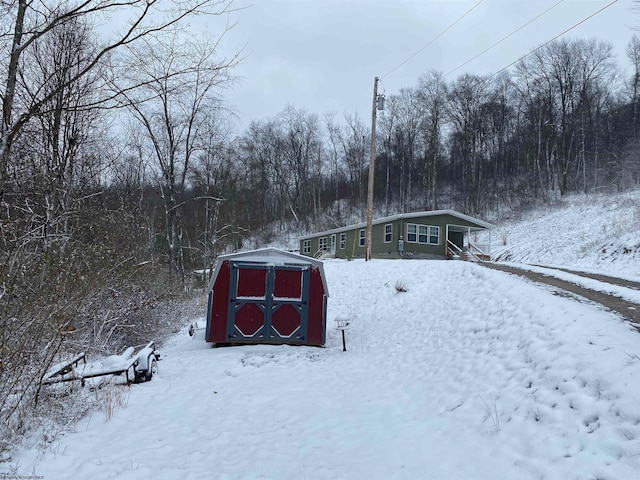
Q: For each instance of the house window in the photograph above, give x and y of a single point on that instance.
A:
(343, 241)
(434, 235)
(322, 244)
(388, 233)
(306, 246)
(412, 232)
(362, 237)
(424, 234)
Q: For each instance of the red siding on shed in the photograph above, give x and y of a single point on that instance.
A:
(250, 319)
(317, 314)
(286, 320)
(220, 304)
(252, 282)
(288, 284)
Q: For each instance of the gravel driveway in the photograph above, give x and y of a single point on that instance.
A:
(629, 310)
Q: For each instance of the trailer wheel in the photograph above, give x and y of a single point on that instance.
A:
(152, 368)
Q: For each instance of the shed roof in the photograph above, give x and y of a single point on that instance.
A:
(481, 225)
(270, 256)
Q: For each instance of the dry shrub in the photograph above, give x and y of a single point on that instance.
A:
(400, 287)
(111, 398)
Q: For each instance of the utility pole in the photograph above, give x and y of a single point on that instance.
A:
(372, 162)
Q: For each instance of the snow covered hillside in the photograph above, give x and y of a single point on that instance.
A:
(468, 374)
(585, 231)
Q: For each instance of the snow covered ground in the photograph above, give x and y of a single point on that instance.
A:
(469, 374)
(600, 232)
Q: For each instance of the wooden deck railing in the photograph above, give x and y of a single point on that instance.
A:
(478, 253)
(473, 252)
(453, 250)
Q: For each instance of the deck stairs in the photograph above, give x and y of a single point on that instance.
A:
(470, 254)
(322, 254)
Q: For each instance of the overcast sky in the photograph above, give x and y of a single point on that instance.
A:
(322, 55)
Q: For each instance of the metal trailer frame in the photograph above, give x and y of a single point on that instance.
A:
(139, 367)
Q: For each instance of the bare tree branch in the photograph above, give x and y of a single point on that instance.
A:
(33, 20)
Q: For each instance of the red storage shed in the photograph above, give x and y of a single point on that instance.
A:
(267, 296)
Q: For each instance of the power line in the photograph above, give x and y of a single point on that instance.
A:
(549, 41)
(433, 40)
(504, 38)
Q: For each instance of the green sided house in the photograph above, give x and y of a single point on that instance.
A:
(431, 234)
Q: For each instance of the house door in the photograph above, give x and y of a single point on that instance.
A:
(457, 238)
(333, 244)
(267, 303)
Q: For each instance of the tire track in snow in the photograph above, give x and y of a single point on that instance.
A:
(621, 282)
(629, 310)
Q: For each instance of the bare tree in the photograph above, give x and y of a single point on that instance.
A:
(572, 79)
(432, 91)
(61, 162)
(300, 159)
(171, 95)
(336, 158)
(408, 126)
(354, 141)
(214, 178)
(633, 53)
(25, 22)
(465, 100)
(256, 148)
(388, 121)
